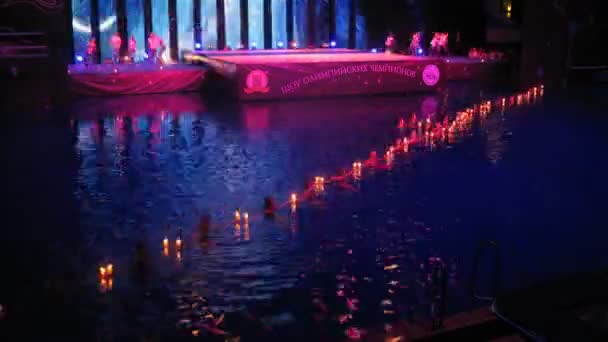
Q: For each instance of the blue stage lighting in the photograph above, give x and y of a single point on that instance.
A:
(197, 45)
(254, 45)
(374, 50)
(333, 43)
(79, 58)
(419, 51)
(280, 45)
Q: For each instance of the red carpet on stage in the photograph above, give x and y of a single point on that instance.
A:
(131, 79)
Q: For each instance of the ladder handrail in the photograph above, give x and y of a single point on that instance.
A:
(440, 279)
(497, 264)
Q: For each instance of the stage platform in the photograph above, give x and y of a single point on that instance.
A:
(258, 76)
(134, 79)
(260, 52)
(282, 74)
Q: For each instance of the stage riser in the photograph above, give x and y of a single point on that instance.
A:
(306, 80)
(480, 71)
(101, 80)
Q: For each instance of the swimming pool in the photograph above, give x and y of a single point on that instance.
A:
(358, 249)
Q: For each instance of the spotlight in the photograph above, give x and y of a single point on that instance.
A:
(197, 46)
(333, 43)
(374, 50)
(419, 51)
(254, 45)
(280, 45)
(145, 55)
(79, 58)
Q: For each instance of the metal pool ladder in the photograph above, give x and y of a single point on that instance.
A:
(492, 245)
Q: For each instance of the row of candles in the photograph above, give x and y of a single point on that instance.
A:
(106, 279)
(442, 132)
(178, 247)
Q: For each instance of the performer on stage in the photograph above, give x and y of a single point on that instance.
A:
(390, 44)
(415, 43)
(155, 43)
(439, 44)
(91, 51)
(115, 43)
(443, 44)
(132, 48)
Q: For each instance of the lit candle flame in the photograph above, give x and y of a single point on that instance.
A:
(178, 243)
(237, 215)
(102, 271)
(166, 242)
(294, 198)
(319, 184)
(246, 217)
(109, 269)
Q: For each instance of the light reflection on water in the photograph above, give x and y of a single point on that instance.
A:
(150, 171)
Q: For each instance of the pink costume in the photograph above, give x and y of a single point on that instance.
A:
(115, 43)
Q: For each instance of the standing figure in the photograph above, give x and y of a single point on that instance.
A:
(390, 44)
(115, 43)
(132, 48)
(435, 44)
(91, 51)
(155, 43)
(415, 43)
(443, 44)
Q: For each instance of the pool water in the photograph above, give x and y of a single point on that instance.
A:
(109, 184)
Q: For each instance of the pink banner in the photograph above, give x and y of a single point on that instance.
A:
(296, 80)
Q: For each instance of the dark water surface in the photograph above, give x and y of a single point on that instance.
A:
(109, 185)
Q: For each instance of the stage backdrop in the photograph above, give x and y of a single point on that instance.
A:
(232, 10)
(159, 21)
(256, 23)
(209, 24)
(279, 24)
(135, 25)
(185, 26)
(81, 25)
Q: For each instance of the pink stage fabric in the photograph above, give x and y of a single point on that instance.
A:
(137, 82)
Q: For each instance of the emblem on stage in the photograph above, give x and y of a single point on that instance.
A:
(430, 75)
(256, 82)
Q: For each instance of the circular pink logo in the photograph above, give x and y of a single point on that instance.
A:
(256, 82)
(430, 75)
